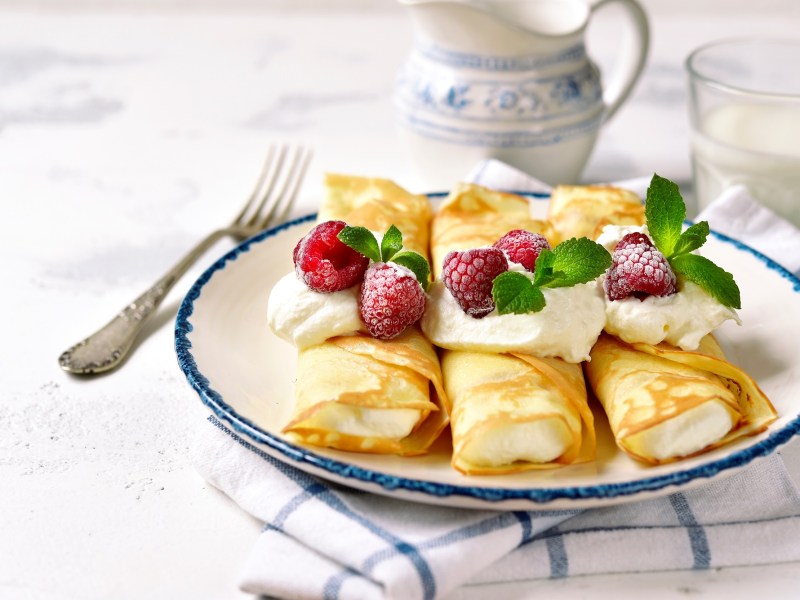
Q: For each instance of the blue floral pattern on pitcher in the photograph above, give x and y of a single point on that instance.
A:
(432, 90)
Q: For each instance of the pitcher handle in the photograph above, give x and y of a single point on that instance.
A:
(630, 64)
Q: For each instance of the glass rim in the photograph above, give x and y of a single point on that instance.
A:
(694, 73)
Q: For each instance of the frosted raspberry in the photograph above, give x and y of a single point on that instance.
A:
(469, 276)
(391, 300)
(639, 269)
(522, 247)
(324, 262)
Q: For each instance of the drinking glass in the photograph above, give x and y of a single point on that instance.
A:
(745, 115)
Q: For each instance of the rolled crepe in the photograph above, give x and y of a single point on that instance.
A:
(515, 412)
(358, 393)
(664, 403)
(583, 211)
(510, 412)
(473, 216)
(376, 204)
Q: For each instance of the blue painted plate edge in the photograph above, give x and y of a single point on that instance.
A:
(290, 452)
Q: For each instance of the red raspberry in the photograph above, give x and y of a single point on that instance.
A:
(469, 276)
(324, 262)
(639, 270)
(391, 300)
(522, 247)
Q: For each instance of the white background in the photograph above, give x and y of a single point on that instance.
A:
(130, 128)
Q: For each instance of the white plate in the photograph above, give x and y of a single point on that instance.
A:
(245, 375)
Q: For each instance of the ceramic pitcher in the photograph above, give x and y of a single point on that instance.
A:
(509, 79)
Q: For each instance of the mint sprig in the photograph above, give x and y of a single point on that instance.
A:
(574, 261)
(665, 212)
(363, 241)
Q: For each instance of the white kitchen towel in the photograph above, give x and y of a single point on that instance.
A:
(736, 214)
(322, 540)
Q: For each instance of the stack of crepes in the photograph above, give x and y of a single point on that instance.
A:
(511, 411)
(362, 394)
(660, 400)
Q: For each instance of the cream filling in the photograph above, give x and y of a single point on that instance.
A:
(304, 317)
(384, 423)
(540, 441)
(687, 433)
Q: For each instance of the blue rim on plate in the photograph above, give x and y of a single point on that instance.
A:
(291, 453)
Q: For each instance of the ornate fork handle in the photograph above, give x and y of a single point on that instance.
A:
(107, 347)
(270, 201)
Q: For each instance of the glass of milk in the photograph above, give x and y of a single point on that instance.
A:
(745, 115)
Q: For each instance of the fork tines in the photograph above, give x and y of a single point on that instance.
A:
(277, 186)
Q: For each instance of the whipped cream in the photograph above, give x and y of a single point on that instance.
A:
(682, 319)
(304, 317)
(568, 326)
(611, 234)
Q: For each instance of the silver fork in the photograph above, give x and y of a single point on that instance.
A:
(273, 196)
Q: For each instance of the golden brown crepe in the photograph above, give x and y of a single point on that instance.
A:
(376, 204)
(583, 210)
(511, 412)
(664, 403)
(473, 216)
(515, 412)
(356, 392)
(351, 382)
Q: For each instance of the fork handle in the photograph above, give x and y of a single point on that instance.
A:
(107, 347)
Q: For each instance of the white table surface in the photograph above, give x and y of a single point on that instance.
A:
(123, 138)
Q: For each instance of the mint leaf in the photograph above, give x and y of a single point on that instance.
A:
(714, 280)
(573, 261)
(665, 211)
(543, 272)
(691, 239)
(362, 240)
(515, 293)
(391, 243)
(417, 264)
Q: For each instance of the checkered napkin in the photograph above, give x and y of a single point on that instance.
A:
(322, 540)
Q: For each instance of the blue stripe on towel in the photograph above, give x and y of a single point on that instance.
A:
(312, 488)
(697, 535)
(315, 489)
(557, 552)
(334, 585)
(524, 519)
(500, 521)
(398, 545)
